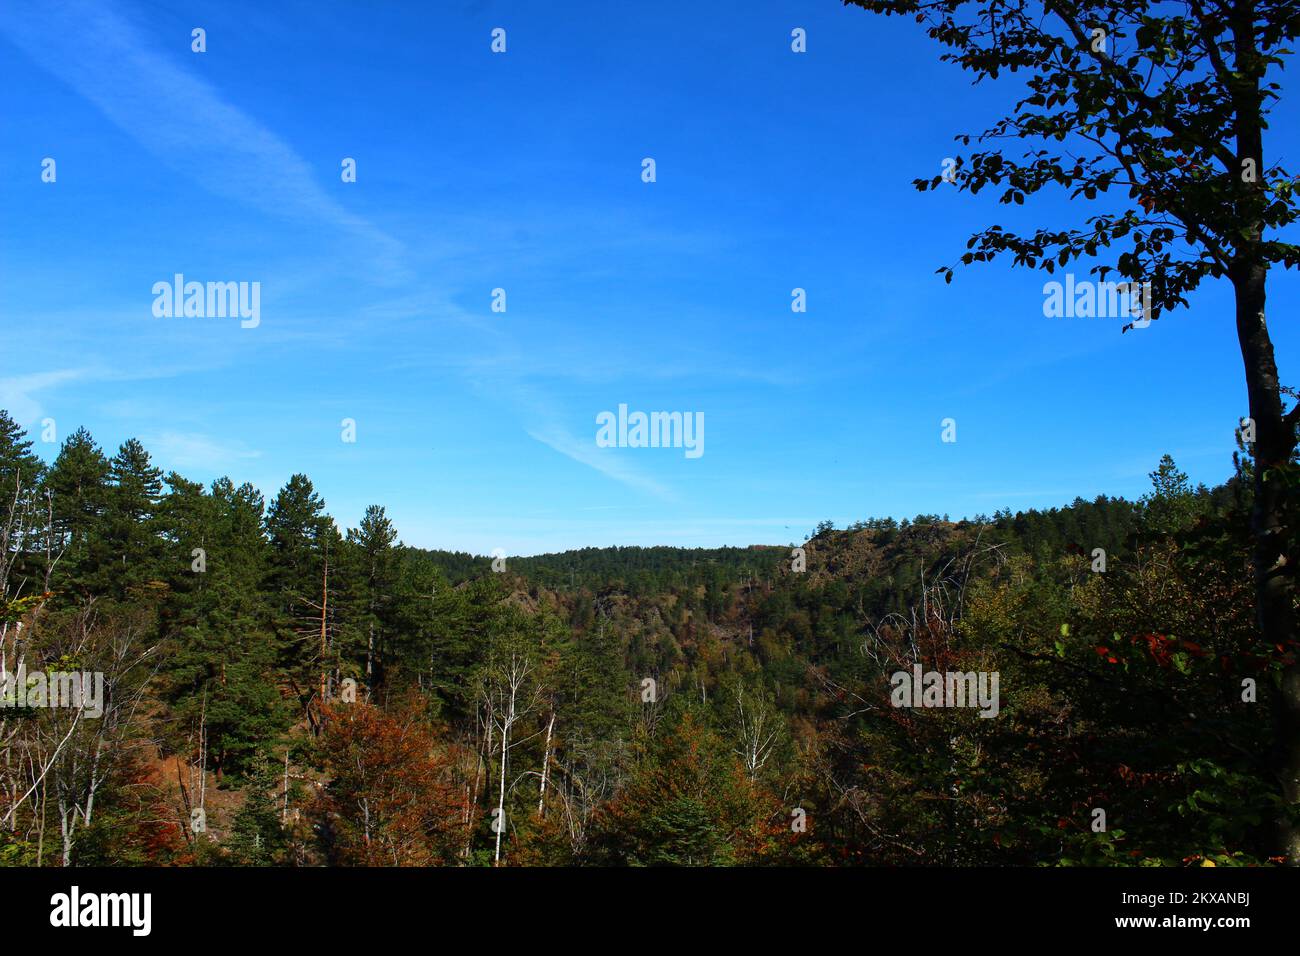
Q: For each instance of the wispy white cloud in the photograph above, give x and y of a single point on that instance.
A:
(17, 394)
(586, 453)
(196, 450)
(180, 117)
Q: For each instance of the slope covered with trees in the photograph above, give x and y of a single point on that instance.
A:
(283, 691)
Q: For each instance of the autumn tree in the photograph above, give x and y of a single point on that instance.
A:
(1159, 113)
(691, 803)
(388, 799)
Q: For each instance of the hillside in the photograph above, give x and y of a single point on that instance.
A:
(269, 674)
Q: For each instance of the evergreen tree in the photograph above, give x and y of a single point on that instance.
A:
(371, 575)
(257, 836)
(1171, 506)
(221, 671)
(22, 515)
(305, 545)
(130, 545)
(78, 486)
(20, 470)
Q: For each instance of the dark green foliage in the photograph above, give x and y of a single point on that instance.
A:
(77, 484)
(258, 837)
(129, 551)
(686, 705)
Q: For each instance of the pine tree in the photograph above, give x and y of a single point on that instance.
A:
(258, 837)
(1171, 507)
(20, 470)
(22, 518)
(77, 483)
(220, 673)
(371, 573)
(131, 548)
(305, 544)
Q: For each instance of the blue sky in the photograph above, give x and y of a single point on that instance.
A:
(522, 171)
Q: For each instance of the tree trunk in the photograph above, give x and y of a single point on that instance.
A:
(505, 750)
(370, 658)
(324, 608)
(546, 765)
(1274, 578)
(66, 826)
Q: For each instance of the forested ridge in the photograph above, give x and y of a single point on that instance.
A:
(282, 691)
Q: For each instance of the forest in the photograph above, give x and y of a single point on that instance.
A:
(281, 691)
